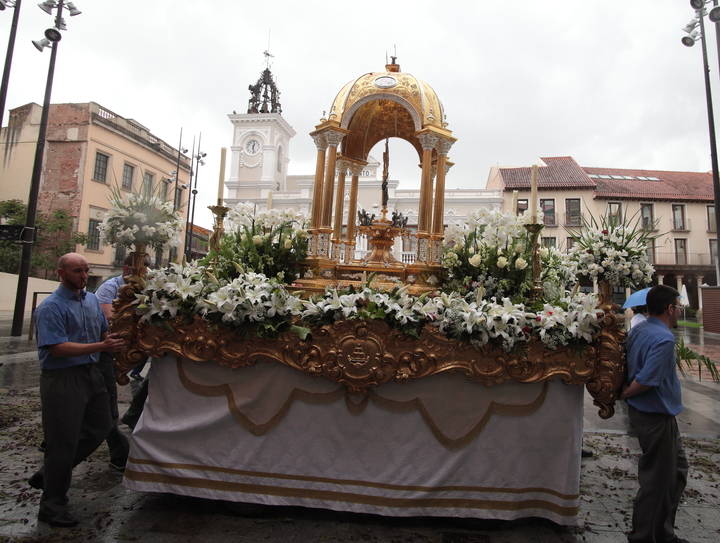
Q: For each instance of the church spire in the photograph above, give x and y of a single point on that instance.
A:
(264, 95)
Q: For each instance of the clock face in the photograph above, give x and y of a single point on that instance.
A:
(252, 146)
(385, 82)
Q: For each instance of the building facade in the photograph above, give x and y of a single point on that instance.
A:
(676, 207)
(89, 151)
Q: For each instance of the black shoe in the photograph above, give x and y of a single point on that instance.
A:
(37, 481)
(585, 453)
(61, 520)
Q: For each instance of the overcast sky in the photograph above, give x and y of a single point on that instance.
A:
(605, 81)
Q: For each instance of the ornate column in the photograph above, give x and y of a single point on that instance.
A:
(317, 196)
(337, 242)
(428, 142)
(438, 219)
(333, 139)
(355, 169)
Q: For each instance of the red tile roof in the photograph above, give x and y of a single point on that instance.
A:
(671, 185)
(564, 173)
(558, 173)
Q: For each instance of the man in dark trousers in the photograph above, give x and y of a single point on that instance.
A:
(654, 399)
(71, 332)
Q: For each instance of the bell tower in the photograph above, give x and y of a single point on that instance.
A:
(261, 142)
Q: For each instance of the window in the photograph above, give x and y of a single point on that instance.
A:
(93, 241)
(572, 212)
(713, 251)
(127, 178)
(650, 250)
(522, 206)
(614, 212)
(101, 165)
(177, 202)
(647, 216)
(164, 189)
(548, 207)
(148, 183)
(570, 244)
(678, 215)
(712, 225)
(680, 251)
(120, 254)
(549, 242)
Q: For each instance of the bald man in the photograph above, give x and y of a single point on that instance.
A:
(71, 333)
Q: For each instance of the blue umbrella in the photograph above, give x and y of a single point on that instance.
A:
(637, 298)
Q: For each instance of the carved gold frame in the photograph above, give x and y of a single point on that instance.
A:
(365, 354)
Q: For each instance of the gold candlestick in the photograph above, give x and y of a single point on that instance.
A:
(219, 212)
(537, 288)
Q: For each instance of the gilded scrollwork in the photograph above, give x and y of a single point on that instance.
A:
(364, 354)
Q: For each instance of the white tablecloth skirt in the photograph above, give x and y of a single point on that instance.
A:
(440, 446)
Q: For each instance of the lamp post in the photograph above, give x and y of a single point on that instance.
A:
(27, 238)
(191, 215)
(9, 53)
(689, 41)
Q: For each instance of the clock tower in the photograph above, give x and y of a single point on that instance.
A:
(260, 145)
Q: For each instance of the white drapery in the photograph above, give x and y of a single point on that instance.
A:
(439, 446)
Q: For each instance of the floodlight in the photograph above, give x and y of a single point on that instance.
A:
(690, 26)
(41, 44)
(687, 41)
(48, 6)
(73, 10)
(715, 14)
(60, 24)
(53, 35)
(3, 4)
(697, 4)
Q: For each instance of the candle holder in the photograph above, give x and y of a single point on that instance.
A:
(219, 212)
(537, 288)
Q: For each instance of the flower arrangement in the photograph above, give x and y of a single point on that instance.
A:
(252, 301)
(270, 242)
(140, 219)
(612, 250)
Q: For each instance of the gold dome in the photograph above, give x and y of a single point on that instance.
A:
(381, 105)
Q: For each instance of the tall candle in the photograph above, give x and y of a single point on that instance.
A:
(221, 181)
(533, 193)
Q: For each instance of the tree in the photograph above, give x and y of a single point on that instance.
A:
(55, 237)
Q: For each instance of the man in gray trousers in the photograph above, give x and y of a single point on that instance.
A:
(654, 399)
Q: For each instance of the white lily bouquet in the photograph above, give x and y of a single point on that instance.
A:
(141, 218)
(614, 251)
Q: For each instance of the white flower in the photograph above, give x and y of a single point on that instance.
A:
(520, 263)
(475, 260)
(257, 240)
(502, 262)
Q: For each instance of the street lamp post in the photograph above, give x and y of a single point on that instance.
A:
(9, 54)
(689, 41)
(27, 238)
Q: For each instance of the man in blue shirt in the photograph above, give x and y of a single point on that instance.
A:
(71, 332)
(653, 395)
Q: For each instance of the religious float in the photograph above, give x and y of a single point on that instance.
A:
(286, 371)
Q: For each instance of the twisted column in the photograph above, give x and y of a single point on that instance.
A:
(438, 223)
(428, 142)
(317, 198)
(355, 169)
(342, 167)
(333, 139)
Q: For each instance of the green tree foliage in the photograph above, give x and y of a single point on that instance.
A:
(54, 238)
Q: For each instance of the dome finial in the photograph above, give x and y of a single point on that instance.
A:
(393, 66)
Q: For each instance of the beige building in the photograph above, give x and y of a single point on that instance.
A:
(675, 206)
(89, 150)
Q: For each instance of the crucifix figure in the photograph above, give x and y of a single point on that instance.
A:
(386, 163)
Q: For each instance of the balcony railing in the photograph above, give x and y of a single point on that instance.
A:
(683, 259)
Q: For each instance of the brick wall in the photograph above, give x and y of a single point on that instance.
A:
(711, 309)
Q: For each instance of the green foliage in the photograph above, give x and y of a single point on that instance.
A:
(686, 357)
(276, 252)
(55, 237)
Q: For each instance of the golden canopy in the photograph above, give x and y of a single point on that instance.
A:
(379, 105)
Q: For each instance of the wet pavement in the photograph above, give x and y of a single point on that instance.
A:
(109, 512)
